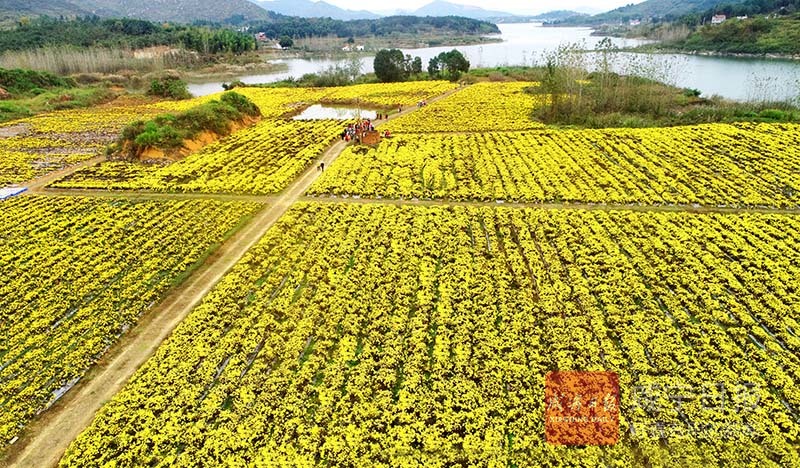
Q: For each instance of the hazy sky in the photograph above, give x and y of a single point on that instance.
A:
(511, 6)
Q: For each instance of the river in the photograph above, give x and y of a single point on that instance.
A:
(523, 44)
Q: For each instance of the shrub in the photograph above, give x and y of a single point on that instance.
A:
(19, 81)
(240, 103)
(170, 87)
(691, 92)
(773, 114)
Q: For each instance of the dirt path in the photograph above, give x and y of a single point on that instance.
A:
(14, 130)
(552, 206)
(40, 183)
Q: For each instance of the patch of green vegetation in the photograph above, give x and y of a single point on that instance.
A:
(169, 130)
(12, 110)
(507, 73)
(18, 81)
(33, 92)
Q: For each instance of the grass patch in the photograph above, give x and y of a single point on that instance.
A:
(33, 92)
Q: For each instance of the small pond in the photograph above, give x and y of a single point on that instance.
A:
(320, 112)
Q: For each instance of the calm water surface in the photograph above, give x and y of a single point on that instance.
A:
(524, 44)
(320, 112)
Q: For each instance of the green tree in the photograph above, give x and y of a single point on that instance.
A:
(416, 66)
(434, 67)
(389, 65)
(449, 65)
(285, 41)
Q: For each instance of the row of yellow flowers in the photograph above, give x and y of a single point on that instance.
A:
(715, 164)
(380, 335)
(77, 272)
(275, 102)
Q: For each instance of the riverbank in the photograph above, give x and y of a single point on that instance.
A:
(225, 71)
(665, 49)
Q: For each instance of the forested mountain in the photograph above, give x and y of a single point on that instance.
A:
(177, 10)
(754, 7)
(182, 11)
(211, 37)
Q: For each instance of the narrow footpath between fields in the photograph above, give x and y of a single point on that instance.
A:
(40, 183)
(552, 205)
(45, 439)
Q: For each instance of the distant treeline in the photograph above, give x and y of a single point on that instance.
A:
(320, 27)
(123, 33)
(210, 38)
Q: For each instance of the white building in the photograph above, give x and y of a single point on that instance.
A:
(718, 19)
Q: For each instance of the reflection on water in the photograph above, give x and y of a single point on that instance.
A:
(524, 44)
(320, 112)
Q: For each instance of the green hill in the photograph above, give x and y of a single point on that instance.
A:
(659, 9)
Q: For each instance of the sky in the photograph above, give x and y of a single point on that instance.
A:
(510, 6)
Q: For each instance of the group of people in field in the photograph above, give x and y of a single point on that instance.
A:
(357, 131)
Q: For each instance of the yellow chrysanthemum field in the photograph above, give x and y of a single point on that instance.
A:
(414, 303)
